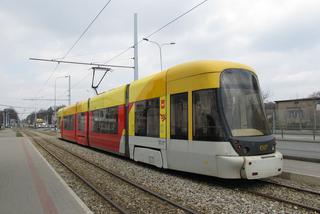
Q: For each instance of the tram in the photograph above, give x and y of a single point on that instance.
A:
(204, 117)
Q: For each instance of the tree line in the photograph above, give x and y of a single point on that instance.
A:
(45, 115)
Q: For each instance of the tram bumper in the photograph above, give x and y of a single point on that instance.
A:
(250, 167)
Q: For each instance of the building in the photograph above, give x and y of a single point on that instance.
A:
(298, 113)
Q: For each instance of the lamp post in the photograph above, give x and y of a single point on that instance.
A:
(160, 47)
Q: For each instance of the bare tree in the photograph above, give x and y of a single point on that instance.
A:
(315, 94)
(265, 94)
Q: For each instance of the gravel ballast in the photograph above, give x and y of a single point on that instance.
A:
(205, 194)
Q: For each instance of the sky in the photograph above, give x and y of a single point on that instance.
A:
(280, 39)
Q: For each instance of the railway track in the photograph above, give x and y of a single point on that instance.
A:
(106, 196)
(283, 200)
(271, 196)
(280, 198)
(291, 187)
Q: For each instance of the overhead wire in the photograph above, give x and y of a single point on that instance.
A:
(75, 43)
(12, 106)
(157, 30)
(86, 29)
(148, 36)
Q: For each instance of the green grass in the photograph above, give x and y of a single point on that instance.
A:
(18, 134)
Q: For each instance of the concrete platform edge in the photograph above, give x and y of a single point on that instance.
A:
(80, 202)
(298, 140)
(291, 157)
(300, 177)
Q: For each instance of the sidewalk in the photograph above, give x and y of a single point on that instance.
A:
(28, 184)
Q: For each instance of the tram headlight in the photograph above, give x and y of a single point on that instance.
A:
(274, 143)
(246, 150)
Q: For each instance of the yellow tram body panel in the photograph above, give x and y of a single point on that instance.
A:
(69, 110)
(149, 87)
(82, 106)
(200, 67)
(60, 112)
(114, 97)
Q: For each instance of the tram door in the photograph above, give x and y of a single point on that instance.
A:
(177, 146)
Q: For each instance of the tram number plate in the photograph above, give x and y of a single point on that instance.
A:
(263, 147)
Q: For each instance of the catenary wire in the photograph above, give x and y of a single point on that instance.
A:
(148, 36)
(12, 106)
(157, 30)
(75, 43)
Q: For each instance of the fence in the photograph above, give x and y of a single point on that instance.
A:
(295, 122)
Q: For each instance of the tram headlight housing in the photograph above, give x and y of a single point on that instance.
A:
(274, 143)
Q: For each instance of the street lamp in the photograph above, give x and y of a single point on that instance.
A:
(159, 46)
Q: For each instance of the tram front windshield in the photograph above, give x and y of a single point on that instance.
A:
(242, 104)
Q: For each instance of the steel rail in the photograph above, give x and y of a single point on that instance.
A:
(291, 187)
(105, 197)
(115, 174)
(275, 198)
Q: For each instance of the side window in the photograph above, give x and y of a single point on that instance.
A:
(179, 116)
(105, 120)
(58, 123)
(206, 120)
(81, 121)
(140, 119)
(72, 122)
(110, 121)
(95, 121)
(65, 123)
(147, 118)
(68, 122)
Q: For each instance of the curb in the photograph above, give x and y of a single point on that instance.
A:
(312, 180)
(313, 160)
(298, 140)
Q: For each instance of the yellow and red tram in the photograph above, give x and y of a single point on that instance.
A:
(204, 117)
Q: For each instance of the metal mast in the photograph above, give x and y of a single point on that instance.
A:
(135, 46)
(69, 90)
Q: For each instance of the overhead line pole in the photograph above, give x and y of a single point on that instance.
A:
(69, 90)
(159, 29)
(135, 42)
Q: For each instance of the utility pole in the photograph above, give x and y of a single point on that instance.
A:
(3, 118)
(35, 116)
(8, 118)
(69, 89)
(135, 46)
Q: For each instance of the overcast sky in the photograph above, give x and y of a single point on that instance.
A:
(280, 39)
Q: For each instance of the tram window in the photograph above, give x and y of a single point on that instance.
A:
(105, 120)
(95, 121)
(68, 122)
(179, 116)
(205, 117)
(81, 121)
(58, 123)
(147, 115)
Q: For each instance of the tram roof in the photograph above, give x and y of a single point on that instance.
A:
(115, 96)
(202, 66)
